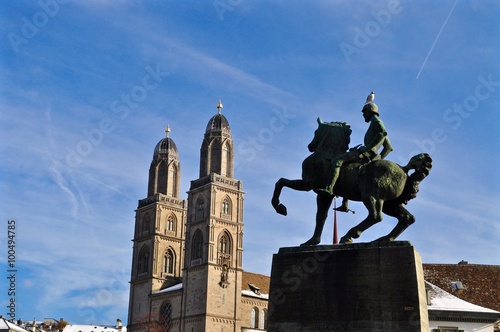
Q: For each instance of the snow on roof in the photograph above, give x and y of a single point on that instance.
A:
(170, 289)
(6, 325)
(442, 300)
(253, 294)
(92, 328)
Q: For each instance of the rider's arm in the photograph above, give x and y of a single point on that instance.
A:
(379, 133)
(387, 148)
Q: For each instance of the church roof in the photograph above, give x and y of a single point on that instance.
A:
(166, 146)
(218, 123)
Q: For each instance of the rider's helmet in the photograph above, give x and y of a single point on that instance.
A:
(371, 107)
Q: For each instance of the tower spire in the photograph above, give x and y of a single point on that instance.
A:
(167, 130)
(219, 107)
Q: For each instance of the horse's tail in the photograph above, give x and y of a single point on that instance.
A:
(422, 164)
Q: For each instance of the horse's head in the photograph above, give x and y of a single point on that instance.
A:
(331, 137)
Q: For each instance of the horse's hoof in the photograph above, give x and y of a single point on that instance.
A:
(345, 240)
(311, 242)
(281, 209)
(383, 239)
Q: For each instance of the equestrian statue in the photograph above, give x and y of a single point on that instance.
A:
(359, 174)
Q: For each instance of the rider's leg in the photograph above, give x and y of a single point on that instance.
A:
(344, 207)
(334, 175)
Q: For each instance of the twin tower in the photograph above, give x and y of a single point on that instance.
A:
(187, 258)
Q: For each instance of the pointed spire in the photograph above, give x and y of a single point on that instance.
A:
(219, 107)
(167, 130)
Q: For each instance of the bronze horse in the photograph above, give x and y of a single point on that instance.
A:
(383, 186)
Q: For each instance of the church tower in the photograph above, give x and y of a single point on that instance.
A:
(158, 244)
(214, 236)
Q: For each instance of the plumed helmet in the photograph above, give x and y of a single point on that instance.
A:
(371, 107)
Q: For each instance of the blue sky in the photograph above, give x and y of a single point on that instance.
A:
(87, 88)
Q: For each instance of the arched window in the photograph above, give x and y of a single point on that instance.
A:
(172, 181)
(197, 245)
(200, 208)
(263, 319)
(225, 243)
(169, 262)
(225, 160)
(254, 319)
(162, 177)
(226, 206)
(171, 223)
(215, 157)
(166, 316)
(145, 223)
(143, 263)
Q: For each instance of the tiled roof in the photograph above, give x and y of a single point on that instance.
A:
(481, 283)
(259, 280)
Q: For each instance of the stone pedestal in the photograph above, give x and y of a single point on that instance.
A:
(356, 287)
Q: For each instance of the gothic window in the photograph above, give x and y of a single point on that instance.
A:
(215, 157)
(197, 246)
(226, 206)
(200, 208)
(171, 223)
(226, 160)
(225, 243)
(143, 263)
(172, 181)
(145, 223)
(162, 177)
(169, 262)
(166, 316)
(254, 319)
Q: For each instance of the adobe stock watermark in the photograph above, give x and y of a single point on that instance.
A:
(105, 297)
(455, 115)
(222, 6)
(250, 147)
(31, 26)
(363, 37)
(297, 274)
(121, 107)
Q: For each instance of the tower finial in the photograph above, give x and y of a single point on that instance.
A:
(167, 130)
(219, 106)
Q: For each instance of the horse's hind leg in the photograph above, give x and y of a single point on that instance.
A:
(323, 202)
(404, 217)
(374, 207)
(293, 184)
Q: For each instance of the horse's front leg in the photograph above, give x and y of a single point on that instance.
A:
(293, 184)
(323, 202)
(275, 201)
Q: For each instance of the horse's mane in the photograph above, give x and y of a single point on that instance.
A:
(339, 133)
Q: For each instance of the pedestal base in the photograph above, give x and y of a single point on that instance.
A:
(356, 287)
